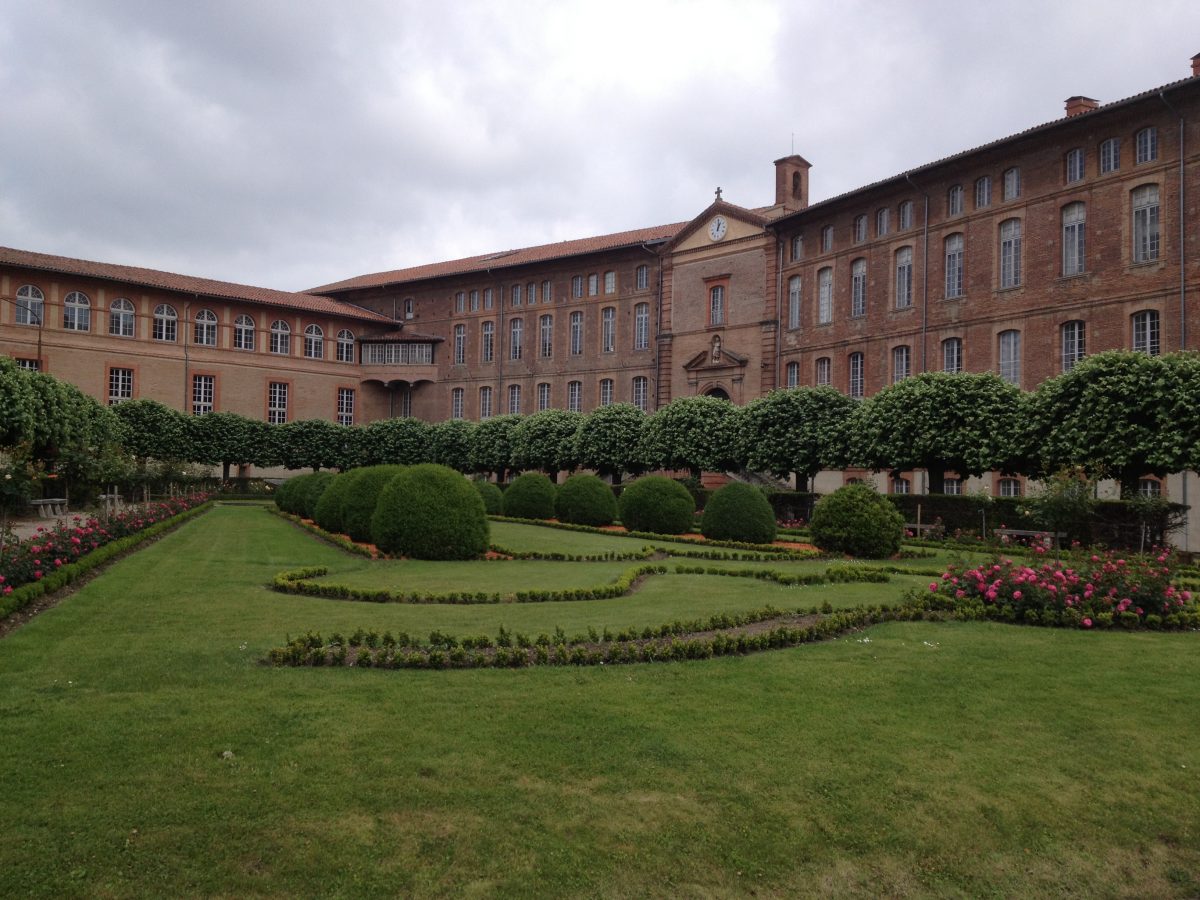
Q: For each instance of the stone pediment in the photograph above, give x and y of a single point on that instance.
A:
(715, 358)
(742, 222)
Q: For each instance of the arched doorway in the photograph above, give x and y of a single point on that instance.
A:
(719, 393)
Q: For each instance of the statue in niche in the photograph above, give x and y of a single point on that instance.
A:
(716, 348)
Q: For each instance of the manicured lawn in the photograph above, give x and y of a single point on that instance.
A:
(912, 759)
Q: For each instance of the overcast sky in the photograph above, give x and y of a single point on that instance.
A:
(289, 143)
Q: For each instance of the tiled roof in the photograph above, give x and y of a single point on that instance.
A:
(402, 336)
(205, 287)
(506, 259)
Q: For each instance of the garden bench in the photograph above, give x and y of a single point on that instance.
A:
(918, 529)
(112, 502)
(1047, 538)
(51, 508)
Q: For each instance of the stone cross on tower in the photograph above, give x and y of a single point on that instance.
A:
(718, 193)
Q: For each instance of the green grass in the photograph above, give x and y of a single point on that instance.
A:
(913, 759)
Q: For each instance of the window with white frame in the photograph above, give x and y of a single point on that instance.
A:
(474, 295)
(1010, 487)
(952, 355)
(901, 485)
(858, 288)
(120, 385)
(165, 323)
(204, 391)
(904, 278)
(31, 305)
(1146, 143)
(77, 312)
(345, 346)
(610, 282)
(1145, 223)
(643, 278)
(574, 396)
(487, 341)
(857, 380)
(485, 402)
(489, 298)
(1010, 356)
(546, 327)
(1074, 219)
(514, 399)
(1010, 253)
(641, 392)
(243, 333)
(409, 307)
(456, 403)
(1110, 156)
(409, 353)
(121, 318)
(794, 302)
(577, 286)
(952, 486)
(277, 403)
(314, 342)
(954, 266)
(826, 238)
(716, 305)
(606, 391)
(954, 200)
(793, 374)
(281, 337)
(1012, 183)
(906, 215)
(460, 345)
(1150, 488)
(28, 365)
(825, 296)
(514, 296)
(1073, 163)
(460, 302)
(1074, 344)
(205, 330)
(543, 396)
(345, 406)
(983, 192)
(531, 293)
(860, 228)
(797, 247)
(576, 332)
(608, 329)
(1146, 332)
(515, 334)
(641, 326)
(901, 363)
(547, 291)
(593, 284)
(824, 373)
(881, 221)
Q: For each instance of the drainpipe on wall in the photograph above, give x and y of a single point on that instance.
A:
(655, 359)
(924, 275)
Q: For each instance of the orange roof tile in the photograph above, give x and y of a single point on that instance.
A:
(205, 287)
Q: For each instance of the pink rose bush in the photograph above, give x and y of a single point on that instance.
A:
(1087, 590)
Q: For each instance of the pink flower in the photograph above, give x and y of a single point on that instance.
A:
(1017, 595)
(1087, 623)
(960, 594)
(7, 589)
(37, 574)
(933, 587)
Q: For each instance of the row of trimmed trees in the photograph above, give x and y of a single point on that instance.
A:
(1116, 414)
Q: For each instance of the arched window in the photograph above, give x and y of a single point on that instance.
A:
(1146, 142)
(543, 395)
(576, 323)
(546, 336)
(643, 277)
(514, 399)
(1012, 183)
(1150, 487)
(858, 288)
(1074, 217)
(165, 323)
(793, 374)
(901, 363)
(121, 318)
(952, 355)
(31, 305)
(824, 373)
(456, 403)
(485, 402)
(606, 391)
(205, 332)
(904, 278)
(1110, 156)
(794, 302)
(983, 192)
(1010, 487)
(487, 338)
(857, 379)
(1010, 253)
(243, 333)
(825, 296)
(514, 296)
(797, 247)
(345, 346)
(460, 345)
(1010, 356)
(826, 238)
(1146, 332)
(314, 342)
(954, 200)
(515, 331)
(1074, 344)
(575, 396)
(881, 221)
(641, 326)
(77, 312)
(1073, 164)
(860, 228)
(1145, 223)
(641, 392)
(281, 337)
(906, 215)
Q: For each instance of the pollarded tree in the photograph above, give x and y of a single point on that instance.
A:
(400, 441)
(609, 440)
(227, 439)
(970, 423)
(1122, 413)
(16, 405)
(151, 430)
(796, 430)
(450, 444)
(491, 446)
(694, 433)
(546, 440)
(308, 444)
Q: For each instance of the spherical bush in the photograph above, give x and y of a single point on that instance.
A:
(585, 500)
(658, 504)
(738, 512)
(361, 497)
(289, 497)
(493, 497)
(430, 512)
(856, 520)
(328, 512)
(310, 493)
(530, 496)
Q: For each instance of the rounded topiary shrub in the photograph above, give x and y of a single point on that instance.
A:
(856, 519)
(738, 512)
(585, 500)
(659, 504)
(310, 493)
(530, 496)
(289, 497)
(359, 503)
(328, 511)
(430, 512)
(493, 497)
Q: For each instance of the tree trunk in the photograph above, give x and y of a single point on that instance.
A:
(937, 480)
(802, 479)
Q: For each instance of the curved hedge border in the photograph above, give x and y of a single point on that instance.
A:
(27, 593)
(338, 540)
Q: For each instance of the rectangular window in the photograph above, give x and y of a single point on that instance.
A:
(906, 215)
(856, 376)
(1145, 224)
(543, 396)
(952, 486)
(120, 385)
(716, 305)
(794, 302)
(456, 403)
(901, 363)
(641, 326)
(826, 238)
(515, 295)
(904, 278)
(485, 402)
(610, 282)
(514, 399)
(952, 355)
(1073, 220)
(277, 403)
(641, 392)
(643, 278)
(824, 372)
(954, 266)
(1073, 344)
(345, 406)
(608, 330)
(547, 336)
(1010, 357)
(593, 284)
(860, 229)
(576, 286)
(204, 389)
(547, 292)
(1074, 164)
(394, 354)
(1010, 253)
(489, 298)
(606, 391)
(1010, 487)
(825, 296)
(858, 288)
(29, 365)
(514, 339)
(954, 201)
(574, 396)
(797, 247)
(793, 374)
(881, 222)
(487, 337)
(576, 333)
(474, 301)
(460, 345)
(1110, 156)
(983, 192)
(1146, 332)
(460, 302)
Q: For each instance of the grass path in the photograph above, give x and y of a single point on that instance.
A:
(916, 759)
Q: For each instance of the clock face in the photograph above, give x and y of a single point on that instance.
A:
(716, 229)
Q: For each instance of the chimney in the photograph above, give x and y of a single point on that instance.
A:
(791, 182)
(1196, 66)
(1077, 106)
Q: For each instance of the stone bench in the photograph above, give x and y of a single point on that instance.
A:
(51, 508)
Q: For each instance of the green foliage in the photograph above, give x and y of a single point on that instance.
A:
(493, 497)
(856, 520)
(227, 439)
(657, 504)
(16, 405)
(1065, 503)
(314, 488)
(530, 496)
(430, 512)
(291, 494)
(545, 440)
(402, 441)
(150, 429)
(450, 444)
(609, 440)
(328, 511)
(800, 430)
(584, 499)
(694, 433)
(362, 496)
(738, 512)
(490, 447)
(308, 444)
